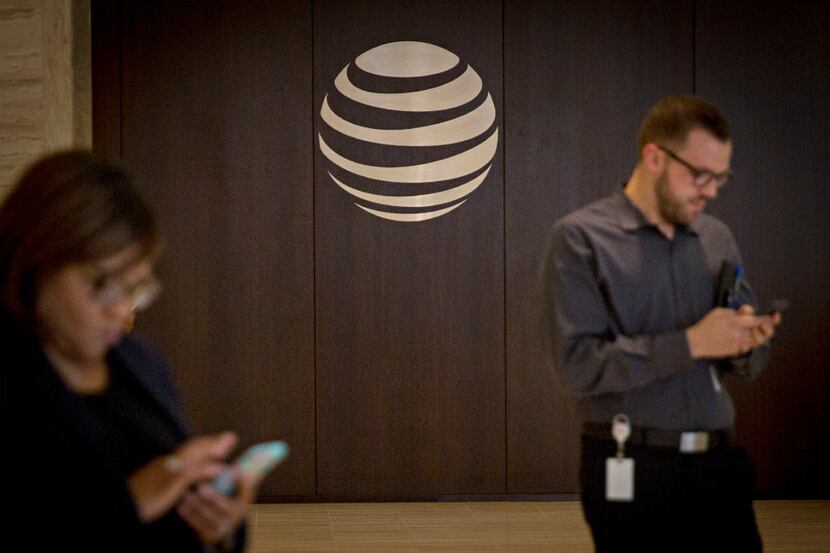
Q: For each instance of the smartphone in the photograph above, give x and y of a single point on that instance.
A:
(259, 459)
(775, 306)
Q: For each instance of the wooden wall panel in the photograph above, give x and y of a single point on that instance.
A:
(410, 343)
(768, 68)
(44, 82)
(579, 78)
(105, 24)
(22, 117)
(215, 125)
(404, 359)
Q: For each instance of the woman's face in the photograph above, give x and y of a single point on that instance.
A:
(83, 310)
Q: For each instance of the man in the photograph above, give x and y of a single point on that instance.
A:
(631, 281)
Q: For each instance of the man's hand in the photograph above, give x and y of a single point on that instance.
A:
(728, 333)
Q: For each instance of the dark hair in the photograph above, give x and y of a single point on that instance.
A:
(671, 120)
(68, 207)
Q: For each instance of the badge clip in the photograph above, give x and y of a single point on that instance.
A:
(620, 431)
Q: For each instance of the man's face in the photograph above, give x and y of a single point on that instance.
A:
(679, 199)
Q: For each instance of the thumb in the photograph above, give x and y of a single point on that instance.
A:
(222, 444)
(248, 484)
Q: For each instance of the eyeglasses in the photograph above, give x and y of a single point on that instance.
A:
(700, 177)
(108, 289)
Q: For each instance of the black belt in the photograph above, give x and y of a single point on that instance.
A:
(685, 442)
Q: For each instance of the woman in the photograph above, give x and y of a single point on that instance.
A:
(96, 457)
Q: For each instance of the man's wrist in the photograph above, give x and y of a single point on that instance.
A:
(692, 342)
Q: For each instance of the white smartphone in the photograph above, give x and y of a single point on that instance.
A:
(259, 459)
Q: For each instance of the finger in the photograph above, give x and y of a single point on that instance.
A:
(248, 485)
(749, 321)
(188, 514)
(768, 319)
(757, 337)
(192, 473)
(234, 509)
(211, 528)
(766, 332)
(746, 340)
(216, 446)
(223, 444)
(746, 309)
(187, 510)
(214, 504)
(198, 453)
(751, 342)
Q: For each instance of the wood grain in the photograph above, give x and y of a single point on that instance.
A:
(404, 360)
(45, 90)
(486, 527)
(776, 93)
(410, 339)
(569, 141)
(215, 106)
(22, 122)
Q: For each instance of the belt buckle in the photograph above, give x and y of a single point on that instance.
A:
(694, 442)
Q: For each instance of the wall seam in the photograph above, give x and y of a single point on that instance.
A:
(504, 244)
(314, 263)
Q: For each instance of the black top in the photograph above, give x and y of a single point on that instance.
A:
(66, 456)
(131, 422)
(137, 430)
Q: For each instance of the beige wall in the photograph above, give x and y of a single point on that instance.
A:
(45, 98)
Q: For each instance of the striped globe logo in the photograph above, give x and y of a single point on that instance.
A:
(408, 131)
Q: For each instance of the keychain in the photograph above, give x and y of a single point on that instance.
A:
(619, 470)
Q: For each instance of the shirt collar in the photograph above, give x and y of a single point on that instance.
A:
(631, 218)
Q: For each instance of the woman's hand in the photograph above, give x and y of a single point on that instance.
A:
(215, 517)
(160, 484)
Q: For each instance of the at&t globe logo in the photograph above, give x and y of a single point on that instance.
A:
(409, 131)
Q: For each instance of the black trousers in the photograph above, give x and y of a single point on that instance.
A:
(682, 502)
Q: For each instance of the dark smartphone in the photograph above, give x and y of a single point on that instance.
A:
(775, 306)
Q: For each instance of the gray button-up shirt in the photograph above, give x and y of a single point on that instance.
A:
(619, 296)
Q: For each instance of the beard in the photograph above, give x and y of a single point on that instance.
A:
(671, 208)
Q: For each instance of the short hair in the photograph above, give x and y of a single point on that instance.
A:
(671, 120)
(68, 207)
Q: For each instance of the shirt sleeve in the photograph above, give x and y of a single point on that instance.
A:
(591, 355)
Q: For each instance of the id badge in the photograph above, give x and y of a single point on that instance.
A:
(619, 479)
(619, 470)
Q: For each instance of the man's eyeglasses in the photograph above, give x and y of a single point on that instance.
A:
(108, 289)
(700, 177)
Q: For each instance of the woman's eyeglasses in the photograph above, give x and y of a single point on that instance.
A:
(108, 289)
